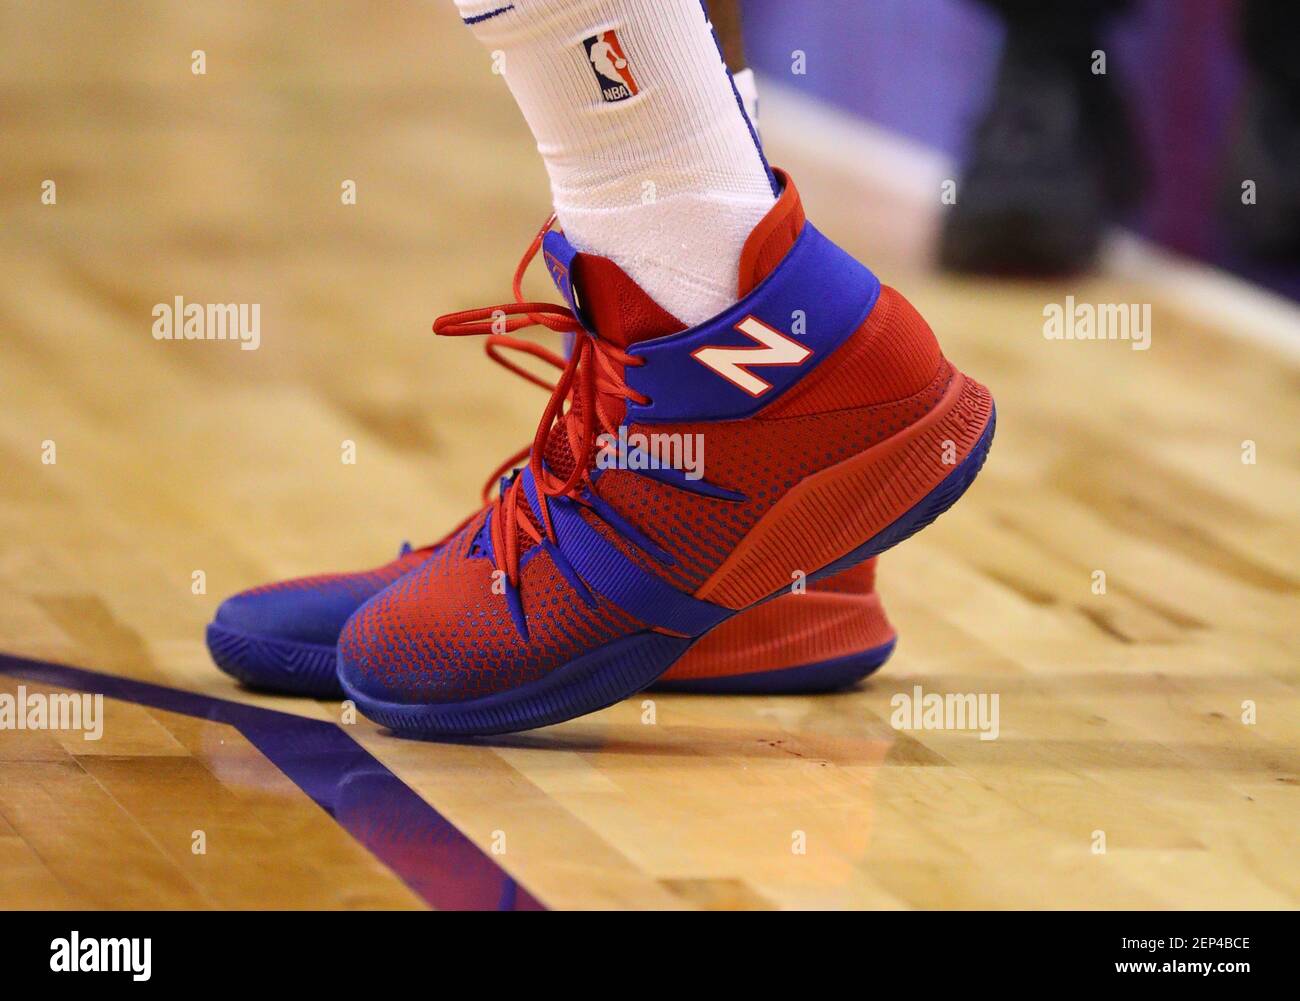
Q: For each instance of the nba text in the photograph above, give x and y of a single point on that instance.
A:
(214, 321)
(75, 954)
(607, 60)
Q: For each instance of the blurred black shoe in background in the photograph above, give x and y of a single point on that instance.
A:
(1266, 227)
(1055, 157)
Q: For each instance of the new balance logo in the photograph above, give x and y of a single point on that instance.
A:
(733, 364)
(559, 273)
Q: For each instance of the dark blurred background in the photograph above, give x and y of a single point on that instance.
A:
(1198, 96)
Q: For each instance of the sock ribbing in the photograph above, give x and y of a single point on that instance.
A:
(652, 164)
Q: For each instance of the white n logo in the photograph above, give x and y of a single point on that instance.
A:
(733, 363)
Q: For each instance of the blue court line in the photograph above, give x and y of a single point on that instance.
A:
(423, 848)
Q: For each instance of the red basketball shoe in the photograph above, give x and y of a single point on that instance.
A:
(283, 637)
(831, 428)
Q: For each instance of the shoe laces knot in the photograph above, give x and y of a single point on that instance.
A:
(594, 369)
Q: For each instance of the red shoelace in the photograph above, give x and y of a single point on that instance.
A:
(593, 368)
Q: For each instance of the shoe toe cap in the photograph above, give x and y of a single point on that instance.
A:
(301, 615)
(433, 638)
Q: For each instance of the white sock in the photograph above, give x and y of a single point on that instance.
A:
(652, 162)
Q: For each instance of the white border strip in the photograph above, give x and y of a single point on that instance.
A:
(1230, 303)
(904, 167)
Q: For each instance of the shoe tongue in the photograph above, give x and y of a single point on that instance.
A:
(604, 297)
(609, 304)
(615, 308)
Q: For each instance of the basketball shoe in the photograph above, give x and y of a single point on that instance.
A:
(283, 637)
(833, 428)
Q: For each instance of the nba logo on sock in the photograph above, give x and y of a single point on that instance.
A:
(613, 74)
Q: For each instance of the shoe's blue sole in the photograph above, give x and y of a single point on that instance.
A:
(822, 676)
(629, 664)
(291, 668)
(276, 665)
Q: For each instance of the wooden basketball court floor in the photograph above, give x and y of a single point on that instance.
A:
(1147, 755)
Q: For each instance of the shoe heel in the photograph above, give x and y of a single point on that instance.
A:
(858, 508)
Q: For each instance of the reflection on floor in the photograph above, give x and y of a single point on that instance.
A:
(168, 761)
